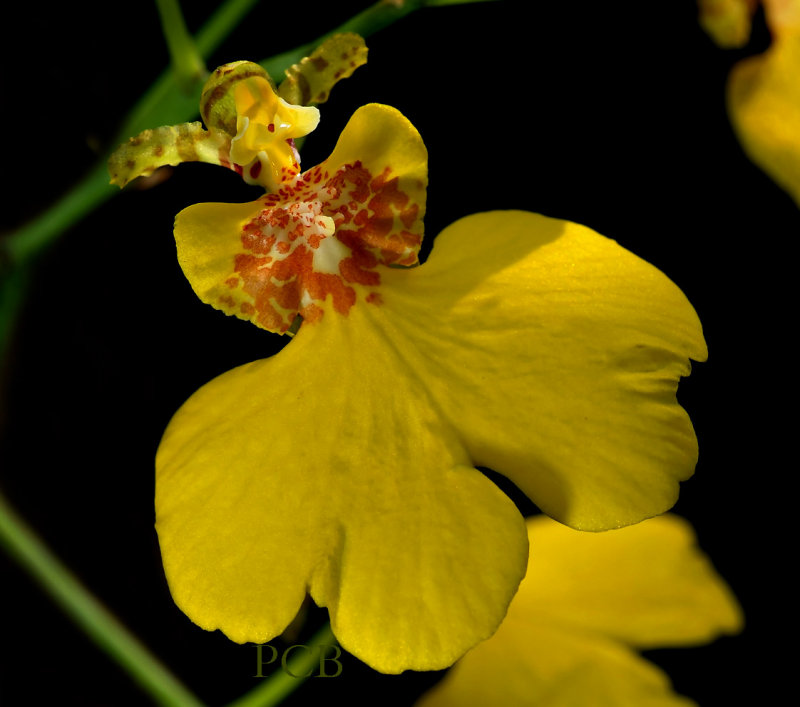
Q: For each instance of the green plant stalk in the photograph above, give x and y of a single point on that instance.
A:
(13, 288)
(104, 629)
(281, 684)
(110, 635)
(188, 65)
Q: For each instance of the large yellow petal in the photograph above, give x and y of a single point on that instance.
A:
(343, 465)
(556, 355)
(764, 106)
(328, 469)
(586, 599)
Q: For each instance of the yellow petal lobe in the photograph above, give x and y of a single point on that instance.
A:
(556, 355)
(273, 482)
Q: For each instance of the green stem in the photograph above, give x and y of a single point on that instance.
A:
(88, 613)
(14, 284)
(82, 199)
(282, 682)
(190, 70)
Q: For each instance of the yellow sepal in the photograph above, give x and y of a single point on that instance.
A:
(172, 145)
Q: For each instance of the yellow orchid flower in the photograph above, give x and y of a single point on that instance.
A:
(344, 466)
(588, 603)
(763, 92)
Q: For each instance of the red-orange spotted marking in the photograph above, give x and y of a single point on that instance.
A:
(319, 235)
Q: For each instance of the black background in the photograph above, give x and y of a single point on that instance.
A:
(609, 114)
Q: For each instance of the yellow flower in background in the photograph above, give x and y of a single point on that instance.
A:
(588, 603)
(763, 91)
(344, 466)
